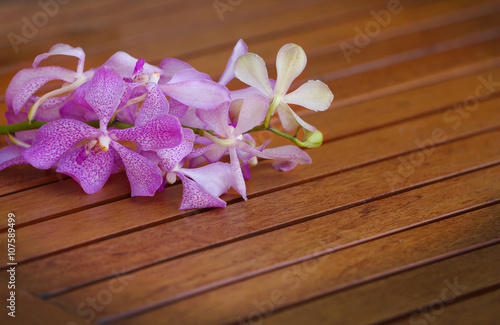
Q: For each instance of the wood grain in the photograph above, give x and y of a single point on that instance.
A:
(401, 200)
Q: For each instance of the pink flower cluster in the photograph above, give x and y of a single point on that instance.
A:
(159, 123)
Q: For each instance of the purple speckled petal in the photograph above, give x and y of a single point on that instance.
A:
(72, 110)
(63, 49)
(91, 173)
(28, 89)
(144, 175)
(49, 110)
(16, 118)
(252, 113)
(54, 139)
(10, 156)
(127, 114)
(104, 93)
(239, 49)
(215, 178)
(195, 196)
(216, 119)
(171, 157)
(25, 75)
(155, 104)
(124, 64)
(204, 94)
(177, 108)
(160, 133)
(237, 180)
(79, 96)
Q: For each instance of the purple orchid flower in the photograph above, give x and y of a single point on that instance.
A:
(11, 156)
(180, 81)
(231, 140)
(20, 92)
(91, 164)
(201, 186)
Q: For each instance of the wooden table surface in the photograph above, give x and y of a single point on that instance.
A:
(396, 221)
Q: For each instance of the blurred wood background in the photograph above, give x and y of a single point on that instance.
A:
(396, 221)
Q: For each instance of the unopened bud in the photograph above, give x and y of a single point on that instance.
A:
(312, 139)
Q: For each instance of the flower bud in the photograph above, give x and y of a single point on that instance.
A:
(312, 139)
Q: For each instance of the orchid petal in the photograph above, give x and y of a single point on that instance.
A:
(237, 180)
(290, 63)
(215, 152)
(239, 49)
(49, 110)
(314, 95)
(155, 104)
(170, 67)
(104, 93)
(124, 64)
(288, 152)
(191, 119)
(91, 173)
(204, 94)
(173, 156)
(10, 156)
(189, 74)
(195, 196)
(17, 83)
(216, 119)
(79, 96)
(196, 152)
(251, 69)
(177, 108)
(127, 114)
(252, 113)
(72, 110)
(290, 120)
(54, 139)
(144, 175)
(28, 89)
(162, 132)
(63, 49)
(215, 178)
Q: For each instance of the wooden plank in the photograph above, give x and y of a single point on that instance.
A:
(480, 309)
(232, 223)
(34, 311)
(76, 267)
(297, 282)
(188, 31)
(327, 39)
(438, 284)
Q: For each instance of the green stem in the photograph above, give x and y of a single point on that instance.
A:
(278, 132)
(26, 125)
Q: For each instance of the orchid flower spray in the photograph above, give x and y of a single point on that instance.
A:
(160, 124)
